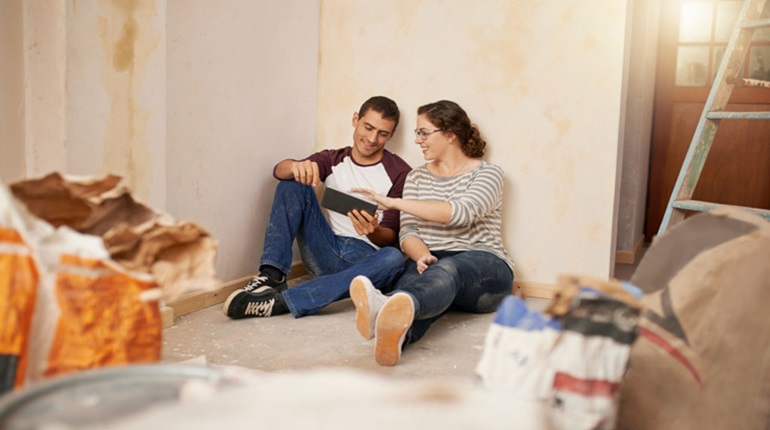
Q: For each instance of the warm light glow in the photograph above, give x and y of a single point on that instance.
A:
(695, 21)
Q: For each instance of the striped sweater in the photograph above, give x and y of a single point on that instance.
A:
(476, 198)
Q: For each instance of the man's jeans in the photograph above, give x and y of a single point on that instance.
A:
(470, 281)
(334, 260)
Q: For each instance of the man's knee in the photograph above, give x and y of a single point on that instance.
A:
(294, 190)
(292, 186)
(390, 256)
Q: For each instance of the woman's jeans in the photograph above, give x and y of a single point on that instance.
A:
(470, 281)
(334, 260)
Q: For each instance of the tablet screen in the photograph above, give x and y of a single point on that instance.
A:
(343, 203)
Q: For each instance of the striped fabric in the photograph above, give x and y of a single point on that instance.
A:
(477, 203)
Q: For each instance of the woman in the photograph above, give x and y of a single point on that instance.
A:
(450, 229)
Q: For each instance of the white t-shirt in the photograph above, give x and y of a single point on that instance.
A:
(338, 170)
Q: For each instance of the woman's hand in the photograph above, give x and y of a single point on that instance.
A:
(425, 261)
(383, 202)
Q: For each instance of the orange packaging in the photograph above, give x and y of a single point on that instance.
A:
(65, 305)
(102, 321)
(18, 289)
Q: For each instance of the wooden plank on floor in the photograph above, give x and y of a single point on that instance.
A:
(528, 289)
(194, 302)
(166, 316)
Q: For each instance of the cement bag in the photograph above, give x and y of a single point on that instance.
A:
(65, 305)
(572, 357)
(19, 277)
(702, 359)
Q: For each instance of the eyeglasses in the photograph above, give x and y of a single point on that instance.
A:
(423, 134)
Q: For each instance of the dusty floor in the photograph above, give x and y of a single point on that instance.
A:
(451, 349)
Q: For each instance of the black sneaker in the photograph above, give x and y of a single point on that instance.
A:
(261, 281)
(246, 304)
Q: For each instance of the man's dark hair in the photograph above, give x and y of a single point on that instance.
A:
(386, 107)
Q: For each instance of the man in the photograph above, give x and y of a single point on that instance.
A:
(340, 248)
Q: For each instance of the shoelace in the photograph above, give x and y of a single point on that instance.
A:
(260, 309)
(257, 282)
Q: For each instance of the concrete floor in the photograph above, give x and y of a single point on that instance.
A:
(450, 349)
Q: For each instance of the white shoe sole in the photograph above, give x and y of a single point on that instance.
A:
(362, 300)
(393, 321)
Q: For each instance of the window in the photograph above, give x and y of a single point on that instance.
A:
(705, 27)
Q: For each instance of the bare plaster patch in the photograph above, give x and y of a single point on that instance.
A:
(128, 38)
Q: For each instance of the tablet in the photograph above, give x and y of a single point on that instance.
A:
(337, 201)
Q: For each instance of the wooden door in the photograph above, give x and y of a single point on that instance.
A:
(693, 37)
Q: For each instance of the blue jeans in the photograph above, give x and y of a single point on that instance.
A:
(334, 260)
(470, 281)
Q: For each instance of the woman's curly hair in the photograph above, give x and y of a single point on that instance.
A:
(449, 117)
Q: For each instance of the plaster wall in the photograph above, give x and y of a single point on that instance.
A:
(194, 102)
(543, 80)
(241, 97)
(115, 93)
(12, 154)
(638, 124)
(44, 86)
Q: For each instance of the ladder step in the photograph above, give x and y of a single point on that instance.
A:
(713, 111)
(755, 24)
(748, 82)
(737, 115)
(698, 206)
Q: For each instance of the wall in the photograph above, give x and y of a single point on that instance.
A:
(638, 126)
(194, 102)
(12, 154)
(115, 93)
(191, 101)
(542, 79)
(32, 106)
(45, 29)
(241, 97)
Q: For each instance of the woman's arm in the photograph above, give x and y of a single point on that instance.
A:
(416, 249)
(440, 212)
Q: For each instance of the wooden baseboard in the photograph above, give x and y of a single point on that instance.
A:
(166, 316)
(534, 289)
(195, 302)
(629, 257)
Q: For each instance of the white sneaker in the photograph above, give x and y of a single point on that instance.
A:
(368, 301)
(393, 321)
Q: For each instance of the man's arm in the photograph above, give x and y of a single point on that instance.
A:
(383, 236)
(305, 171)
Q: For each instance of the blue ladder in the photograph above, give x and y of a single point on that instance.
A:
(713, 112)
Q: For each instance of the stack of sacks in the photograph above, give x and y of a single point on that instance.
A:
(703, 355)
(82, 268)
(571, 358)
